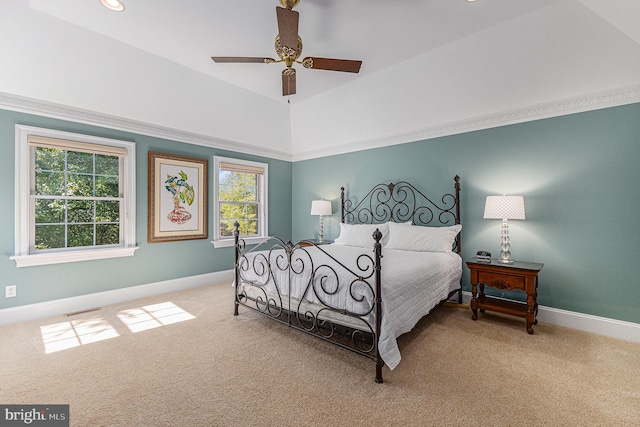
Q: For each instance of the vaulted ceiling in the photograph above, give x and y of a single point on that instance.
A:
(430, 67)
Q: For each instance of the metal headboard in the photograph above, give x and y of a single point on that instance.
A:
(402, 202)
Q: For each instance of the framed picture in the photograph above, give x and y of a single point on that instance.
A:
(177, 198)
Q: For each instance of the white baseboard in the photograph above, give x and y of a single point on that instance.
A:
(627, 331)
(613, 328)
(84, 302)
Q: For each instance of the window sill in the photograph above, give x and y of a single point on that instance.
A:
(71, 256)
(227, 243)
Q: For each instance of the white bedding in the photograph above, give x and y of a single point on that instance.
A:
(412, 284)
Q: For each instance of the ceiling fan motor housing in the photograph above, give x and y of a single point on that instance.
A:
(288, 55)
(289, 4)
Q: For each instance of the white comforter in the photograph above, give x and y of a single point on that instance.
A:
(412, 284)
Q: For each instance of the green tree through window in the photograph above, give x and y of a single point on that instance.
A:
(77, 199)
(241, 196)
(238, 197)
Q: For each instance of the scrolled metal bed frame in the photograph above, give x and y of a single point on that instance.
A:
(266, 268)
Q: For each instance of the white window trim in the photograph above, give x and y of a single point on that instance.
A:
(225, 242)
(23, 215)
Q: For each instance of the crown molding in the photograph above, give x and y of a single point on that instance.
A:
(594, 101)
(58, 111)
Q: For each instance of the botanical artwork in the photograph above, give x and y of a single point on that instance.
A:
(177, 197)
(181, 193)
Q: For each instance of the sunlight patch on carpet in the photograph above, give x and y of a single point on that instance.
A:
(65, 335)
(74, 333)
(153, 316)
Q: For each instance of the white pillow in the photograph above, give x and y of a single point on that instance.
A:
(422, 239)
(385, 237)
(360, 235)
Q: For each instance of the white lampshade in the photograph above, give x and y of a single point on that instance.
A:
(321, 207)
(504, 207)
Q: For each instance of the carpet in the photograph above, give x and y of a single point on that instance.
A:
(183, 359)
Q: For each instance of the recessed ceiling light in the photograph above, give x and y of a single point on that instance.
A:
(116, 5)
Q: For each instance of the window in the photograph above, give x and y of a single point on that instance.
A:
(75, 197)
(240, 195)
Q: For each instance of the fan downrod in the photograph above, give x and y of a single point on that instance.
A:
(289, 4)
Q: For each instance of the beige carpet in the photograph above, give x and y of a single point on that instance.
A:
(220, 370)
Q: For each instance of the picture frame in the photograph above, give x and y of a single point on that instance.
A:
(178, 207)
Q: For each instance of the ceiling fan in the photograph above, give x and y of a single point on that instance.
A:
(288, 45)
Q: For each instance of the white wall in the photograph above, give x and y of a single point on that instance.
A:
(48, 59)
(437, 90)
(441, 92)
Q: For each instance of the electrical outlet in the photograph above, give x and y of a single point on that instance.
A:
(10, 291)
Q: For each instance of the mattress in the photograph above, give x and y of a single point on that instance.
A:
(342, 278)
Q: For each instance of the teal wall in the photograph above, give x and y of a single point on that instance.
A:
(579, 175)
(152, 262)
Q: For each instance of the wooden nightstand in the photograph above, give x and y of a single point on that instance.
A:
(308, 242)
(519, 275)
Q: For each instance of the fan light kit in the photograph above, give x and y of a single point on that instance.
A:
(288, 46)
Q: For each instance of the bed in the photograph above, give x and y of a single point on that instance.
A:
(396, 259)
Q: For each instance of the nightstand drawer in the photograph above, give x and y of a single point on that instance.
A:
(501, 281)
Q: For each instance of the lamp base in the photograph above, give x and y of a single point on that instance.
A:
(320, 233)
(505, 253)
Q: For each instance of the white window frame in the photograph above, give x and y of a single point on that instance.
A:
(263, 207)
(25, 214)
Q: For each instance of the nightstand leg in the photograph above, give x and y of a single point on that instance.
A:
(531, 312)
(474, 302)
(535, 305)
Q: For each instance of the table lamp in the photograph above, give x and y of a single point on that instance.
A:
(321, 207)
(505, 208)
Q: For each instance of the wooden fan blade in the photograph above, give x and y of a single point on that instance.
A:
(346, 65)
(288, 81)
(242, 59)
(288, 27)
